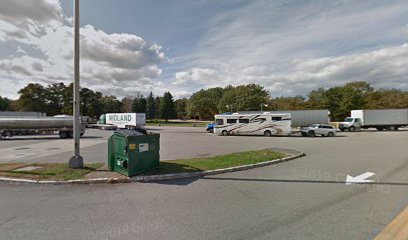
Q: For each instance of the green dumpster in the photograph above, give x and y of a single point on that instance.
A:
(131, 152)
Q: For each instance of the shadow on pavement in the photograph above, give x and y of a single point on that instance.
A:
(179, 182)
(39, 138)
(301, 181)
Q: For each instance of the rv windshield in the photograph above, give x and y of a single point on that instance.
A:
(349, 119)
(219, 121)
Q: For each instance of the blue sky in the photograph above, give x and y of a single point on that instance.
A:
(131, 46)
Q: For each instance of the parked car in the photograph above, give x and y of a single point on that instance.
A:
(318, 129)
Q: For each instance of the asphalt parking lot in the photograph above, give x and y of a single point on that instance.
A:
(185, 142)
(305, 198)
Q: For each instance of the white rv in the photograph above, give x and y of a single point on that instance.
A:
(267, 124)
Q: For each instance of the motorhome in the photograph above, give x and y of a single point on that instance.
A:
(253, 124)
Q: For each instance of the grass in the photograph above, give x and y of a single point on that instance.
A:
(48, 171)
(217, 162)
(61, 171)
(176, 123)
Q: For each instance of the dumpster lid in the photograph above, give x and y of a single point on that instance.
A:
(129, 133)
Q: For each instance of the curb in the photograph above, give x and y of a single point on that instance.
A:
(154, 178)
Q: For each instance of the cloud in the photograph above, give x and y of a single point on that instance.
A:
(382, 68)
(44, 53)
(292, 47)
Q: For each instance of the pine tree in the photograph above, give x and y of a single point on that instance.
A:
(150, 107)
(167, 107)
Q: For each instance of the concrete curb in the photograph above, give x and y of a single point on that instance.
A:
(153, 178)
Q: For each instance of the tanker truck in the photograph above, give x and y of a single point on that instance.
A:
(10, 126)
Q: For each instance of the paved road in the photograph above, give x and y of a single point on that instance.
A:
(301, 199)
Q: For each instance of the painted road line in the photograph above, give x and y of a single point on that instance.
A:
(396, 229)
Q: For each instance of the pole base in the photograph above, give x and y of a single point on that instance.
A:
(76, 162)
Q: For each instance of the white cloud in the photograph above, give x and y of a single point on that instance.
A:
(292, 47)
(107, 60)
(386, 67)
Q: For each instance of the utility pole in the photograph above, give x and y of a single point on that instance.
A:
(76, 161)
(263, 105)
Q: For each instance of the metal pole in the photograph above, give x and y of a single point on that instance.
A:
(76, 161)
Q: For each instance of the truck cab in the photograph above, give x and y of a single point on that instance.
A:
(351, 124)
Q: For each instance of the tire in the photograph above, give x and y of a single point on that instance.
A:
(70, 134)
(304, 134)
(352, 129)
(393, 128)
(330, 134)
(342, 129)
(311, 134)
(63, 134)
(224, 133)
(379, 129)
(267, 133)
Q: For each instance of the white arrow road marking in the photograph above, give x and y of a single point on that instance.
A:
(360, 178)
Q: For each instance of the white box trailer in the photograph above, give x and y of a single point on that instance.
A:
(300, 118)
(124, 120)
(381, 119)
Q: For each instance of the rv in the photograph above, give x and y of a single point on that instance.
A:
(253, 124)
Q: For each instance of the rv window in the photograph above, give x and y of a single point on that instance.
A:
(276, 118)
(243, 120)
(219, 121)
(231, 120)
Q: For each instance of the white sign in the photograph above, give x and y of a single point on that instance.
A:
(143, 147)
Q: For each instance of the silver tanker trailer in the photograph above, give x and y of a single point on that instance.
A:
(15, 125)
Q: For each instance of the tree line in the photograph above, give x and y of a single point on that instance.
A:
(204, 104)
(339, 100)
(57, 99)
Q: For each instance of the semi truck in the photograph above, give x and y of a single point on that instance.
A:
(124, 120)
(381, 119)
(16, 125)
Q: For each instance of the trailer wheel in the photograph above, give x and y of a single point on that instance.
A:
(352, 129)
(267, 133)
(311, 134)
(380, 129)
(392, 128)
(63, 134)
(224, 133)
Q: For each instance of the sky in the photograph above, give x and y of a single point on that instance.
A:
(136, 46)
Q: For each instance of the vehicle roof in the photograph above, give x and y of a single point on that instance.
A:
(251, 115)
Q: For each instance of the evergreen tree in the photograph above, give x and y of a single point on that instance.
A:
(150, 107)
(167, 107)
(157, 103)
(139, 105)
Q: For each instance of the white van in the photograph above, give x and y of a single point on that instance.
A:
(253, 124)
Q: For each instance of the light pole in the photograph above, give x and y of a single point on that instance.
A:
(263, 105)
(230, 106)
(76, 161)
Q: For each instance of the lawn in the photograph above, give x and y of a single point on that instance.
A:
(61, 171)
(217, 162)
(47, 171)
